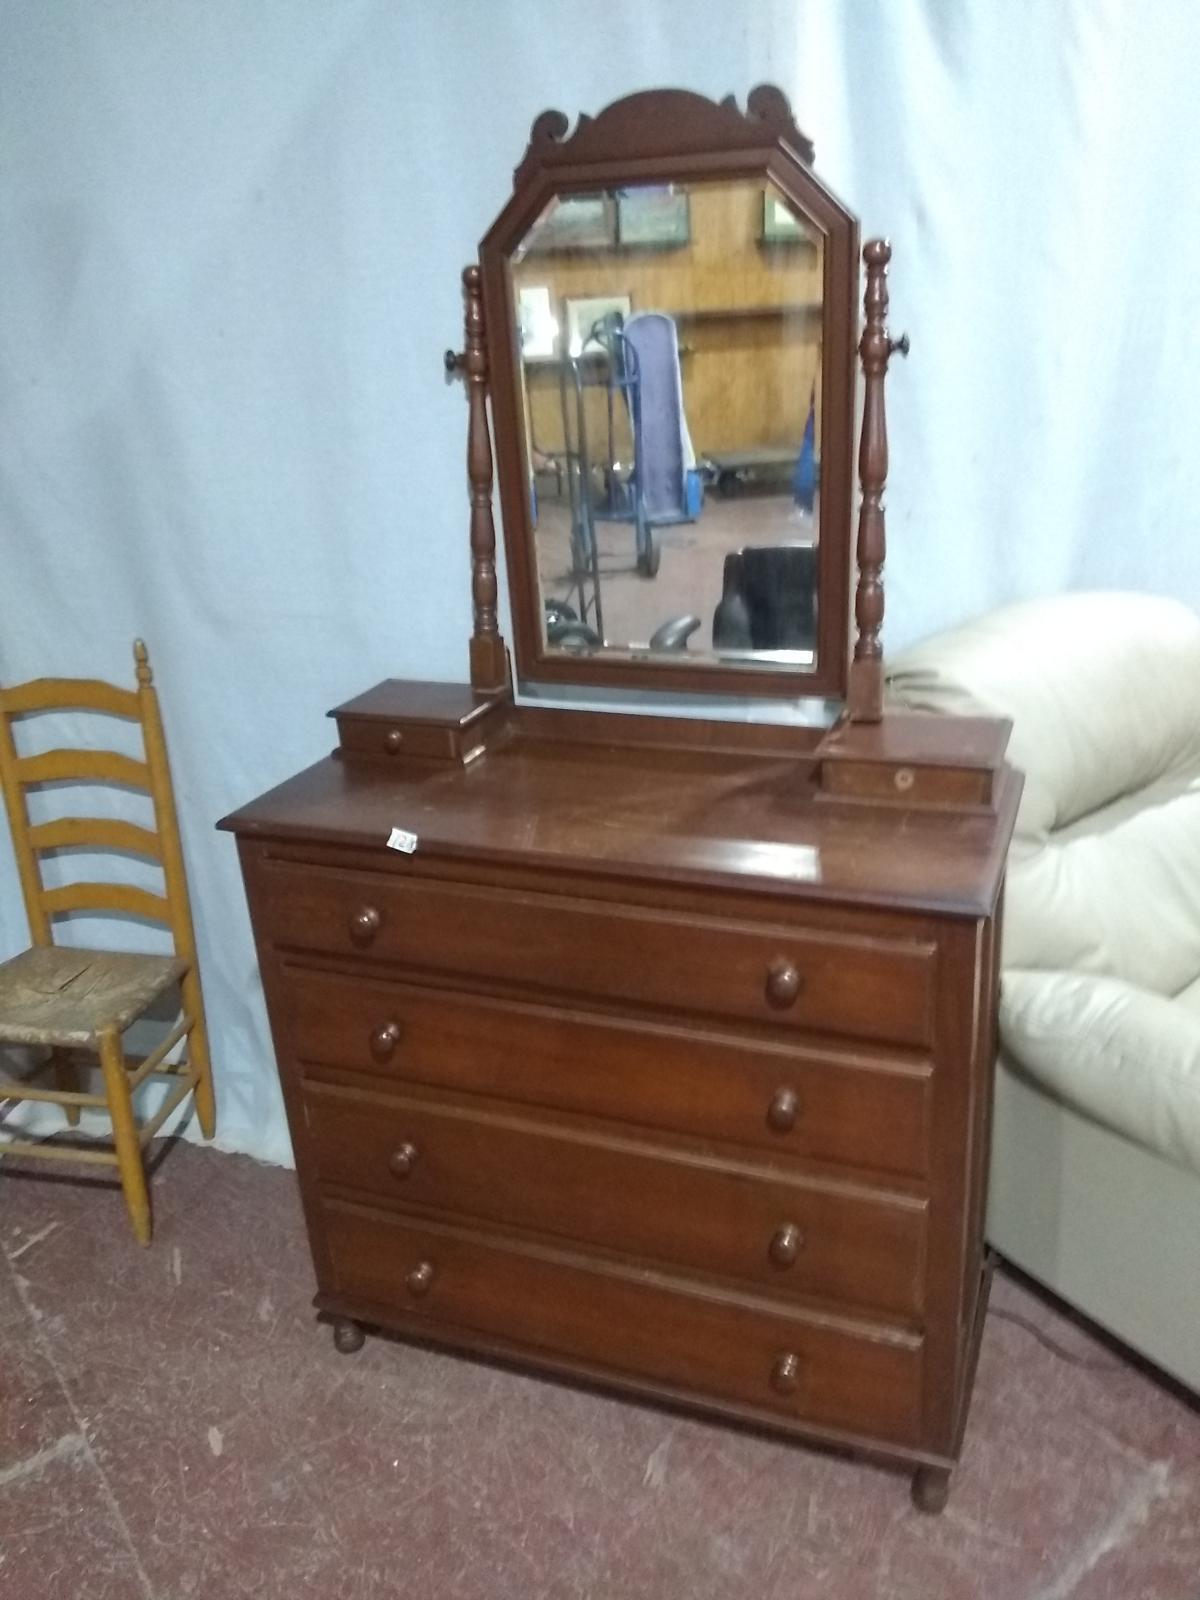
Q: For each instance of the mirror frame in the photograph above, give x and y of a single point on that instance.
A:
(662, 136)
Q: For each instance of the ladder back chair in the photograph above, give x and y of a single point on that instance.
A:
(76, 1004)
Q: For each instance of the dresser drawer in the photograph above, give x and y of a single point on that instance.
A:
(834, 1373)
(787, 1233)
(866, 986)
(856, 1110)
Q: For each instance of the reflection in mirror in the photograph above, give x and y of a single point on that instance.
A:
(670, 359)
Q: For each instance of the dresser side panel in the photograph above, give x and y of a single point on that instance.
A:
(962, 1073)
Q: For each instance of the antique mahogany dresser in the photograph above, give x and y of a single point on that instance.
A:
(625, 1033)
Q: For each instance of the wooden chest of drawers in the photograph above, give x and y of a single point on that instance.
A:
(697, 1112)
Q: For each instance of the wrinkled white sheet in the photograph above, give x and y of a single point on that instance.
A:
(230, 244)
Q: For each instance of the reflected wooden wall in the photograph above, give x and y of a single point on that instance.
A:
(748, 317)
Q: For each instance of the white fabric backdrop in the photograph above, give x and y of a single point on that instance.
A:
(230, 244)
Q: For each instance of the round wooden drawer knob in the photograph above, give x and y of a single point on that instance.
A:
(785, 1374)
(393, 741)
(786, 1244)
(783, 1110)
(420, 1279)
(403, 1159)
(384, 1040)
(365, 923)
(783, 984)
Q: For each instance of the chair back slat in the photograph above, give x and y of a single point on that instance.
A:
(101, 833)
(121, 897)
(95, 766)
(70, 694)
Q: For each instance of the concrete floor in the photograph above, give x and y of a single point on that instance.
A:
(174, 1423)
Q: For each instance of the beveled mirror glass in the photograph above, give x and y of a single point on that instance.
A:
(670, 371)
(672, 345)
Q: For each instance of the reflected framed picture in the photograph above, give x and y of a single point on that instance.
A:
(653, 216)
(575, 222)
(780, 224)
(581, 314)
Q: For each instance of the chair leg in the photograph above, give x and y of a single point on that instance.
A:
(125, 1135)
(67, 1079)
(197, 1049)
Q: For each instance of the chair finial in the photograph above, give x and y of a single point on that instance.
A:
(141, 657)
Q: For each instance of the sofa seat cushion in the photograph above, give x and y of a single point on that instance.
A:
(1120, 1054)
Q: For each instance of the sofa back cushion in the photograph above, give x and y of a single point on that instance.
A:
(1104, 694)
(1103, 691)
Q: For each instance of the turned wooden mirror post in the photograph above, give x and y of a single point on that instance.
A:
(489, 659)
(875, 348)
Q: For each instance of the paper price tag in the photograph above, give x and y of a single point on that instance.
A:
(400, 839)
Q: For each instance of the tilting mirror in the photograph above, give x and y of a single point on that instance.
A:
(670, 341)
(670, 304)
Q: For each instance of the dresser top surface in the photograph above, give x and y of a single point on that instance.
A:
(753, 822)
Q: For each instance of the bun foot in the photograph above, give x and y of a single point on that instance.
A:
(347, 1336)
(930, 1489)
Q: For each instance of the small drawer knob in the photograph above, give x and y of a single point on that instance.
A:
(786, 1244)
(403, 1159)
(785, 1374)
(420, 1279)
(365, 923)
(783, 983)
(783, 1110)
(393, 741)
(384, 1040)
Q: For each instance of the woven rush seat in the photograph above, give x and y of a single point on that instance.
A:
(53, 995)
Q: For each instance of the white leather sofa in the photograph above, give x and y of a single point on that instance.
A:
(1095, 1184)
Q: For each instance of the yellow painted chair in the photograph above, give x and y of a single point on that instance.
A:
(77, 1003)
